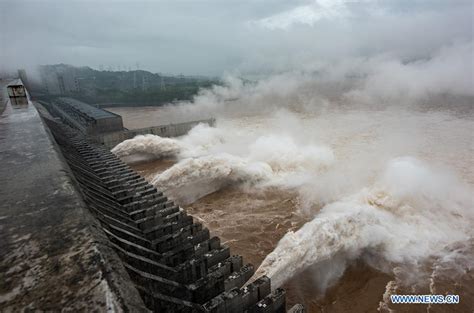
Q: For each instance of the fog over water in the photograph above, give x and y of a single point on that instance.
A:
(377, 167)
(211, 37)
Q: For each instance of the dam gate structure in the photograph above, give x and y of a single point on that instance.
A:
(145, 253)
(84, 117)
(174, 262)
(106, 128)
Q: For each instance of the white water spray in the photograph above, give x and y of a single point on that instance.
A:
(337, 141)
(412, 213)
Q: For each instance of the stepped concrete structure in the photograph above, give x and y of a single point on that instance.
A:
(112, 139)
(81, 231)
(54, 254)
(106, 128)
(86, 118)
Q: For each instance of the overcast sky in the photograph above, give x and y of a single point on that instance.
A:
(212, 37)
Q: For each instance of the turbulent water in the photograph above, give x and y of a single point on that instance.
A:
(336, 203)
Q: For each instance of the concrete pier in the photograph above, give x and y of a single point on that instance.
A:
(112, 139)
(106, 128)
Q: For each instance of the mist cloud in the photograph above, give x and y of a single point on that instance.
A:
(213, 37)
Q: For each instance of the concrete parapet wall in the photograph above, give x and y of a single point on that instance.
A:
(110, 140)
(54, 254)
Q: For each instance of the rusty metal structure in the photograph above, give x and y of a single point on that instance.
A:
(17, 93)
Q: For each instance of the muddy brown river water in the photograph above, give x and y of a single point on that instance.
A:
(251, 221)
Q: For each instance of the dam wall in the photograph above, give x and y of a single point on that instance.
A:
(84, 117)
(54, 254)
(105, 127)
(173, 261)
(81, 231)
(111, 139)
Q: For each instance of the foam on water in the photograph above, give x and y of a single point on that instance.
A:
(412, 213)
(210, 168)
(220, 157)
(150, 145)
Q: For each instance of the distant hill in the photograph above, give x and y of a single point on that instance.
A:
(120, 88)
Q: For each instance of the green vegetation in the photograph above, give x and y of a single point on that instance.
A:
(150, 96)
(121, 88)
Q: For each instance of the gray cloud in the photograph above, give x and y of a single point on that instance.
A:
(213, 36)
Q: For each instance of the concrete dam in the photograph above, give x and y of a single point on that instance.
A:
(80, 230)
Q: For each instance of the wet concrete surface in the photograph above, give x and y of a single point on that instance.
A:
(3, 93)
(53, 255)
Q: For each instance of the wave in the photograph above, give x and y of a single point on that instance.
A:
(219, 156)
(222, 167)
(155, 146)
(412, 213)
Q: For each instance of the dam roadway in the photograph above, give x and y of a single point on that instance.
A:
(81, 231)
(53, 255)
